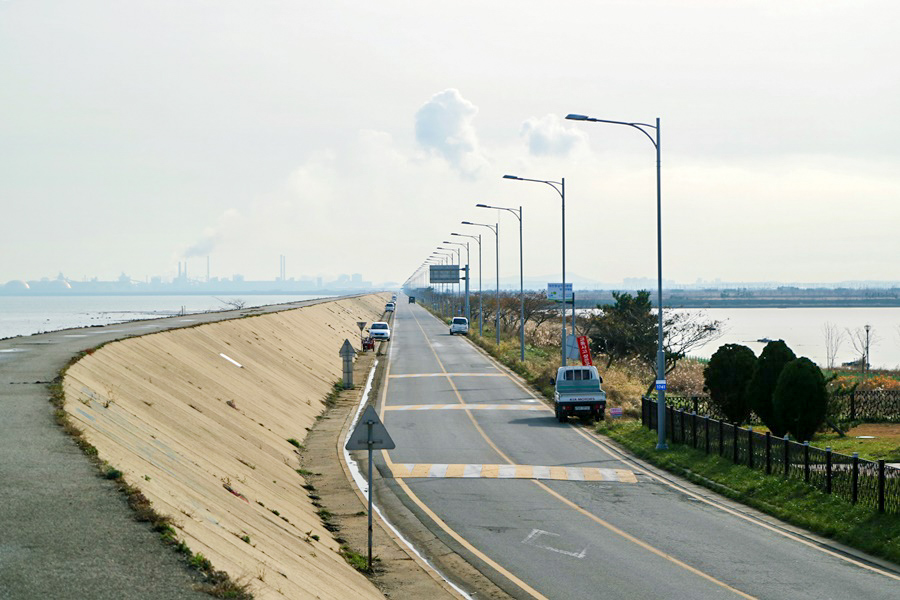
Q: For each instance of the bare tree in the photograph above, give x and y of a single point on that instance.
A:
(233, 303)
(538, 310)
(685, 332)
(862, 339)
(834, 339)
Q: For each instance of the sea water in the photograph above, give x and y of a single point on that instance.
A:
(25, 315)
(803, 330)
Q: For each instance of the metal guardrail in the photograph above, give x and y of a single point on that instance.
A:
(870, 483)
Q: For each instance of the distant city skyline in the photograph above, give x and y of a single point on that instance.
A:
(357, 281)
(141, 134)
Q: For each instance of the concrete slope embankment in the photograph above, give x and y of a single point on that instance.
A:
(206, 440)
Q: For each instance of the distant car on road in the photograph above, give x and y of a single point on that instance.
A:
(389, 307)
(412, 299)
(394, 298)
(459, 325)
(380, 331)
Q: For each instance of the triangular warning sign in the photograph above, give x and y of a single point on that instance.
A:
(362, 439)
(347, 350)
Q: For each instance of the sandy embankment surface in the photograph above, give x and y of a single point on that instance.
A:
(206, 440)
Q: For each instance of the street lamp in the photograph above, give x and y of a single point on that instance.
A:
(660, 353)
(428, 286)
(518, 214)
(468, 262)
(560, 188)
(458, 260)
(866, 360)
(496, 229)
(477, 238)
(446, 258)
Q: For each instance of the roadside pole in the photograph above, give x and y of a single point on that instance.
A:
(468, 312)
(370, 434)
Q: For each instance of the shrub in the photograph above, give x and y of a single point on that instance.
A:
(726, 377)
(771, 361)
(800, 398)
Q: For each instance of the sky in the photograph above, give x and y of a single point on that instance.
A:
(355, 137)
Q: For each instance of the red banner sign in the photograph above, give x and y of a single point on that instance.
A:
(584, 350)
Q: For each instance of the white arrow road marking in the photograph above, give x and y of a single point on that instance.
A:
(536, 534)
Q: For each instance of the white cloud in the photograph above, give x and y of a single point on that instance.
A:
(548, 137)
(444, 125)
(212, 236)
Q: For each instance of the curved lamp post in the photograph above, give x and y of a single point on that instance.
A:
(517, 212)
(496, 229)
(660, 353)
(477, 238)
(458, 259)
(560, 188)
(468, 262)
(446, 258)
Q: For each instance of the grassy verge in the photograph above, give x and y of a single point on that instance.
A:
(788, 500)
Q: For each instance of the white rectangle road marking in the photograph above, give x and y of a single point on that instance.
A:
(472, 471)
(437, 470)
(506, 472)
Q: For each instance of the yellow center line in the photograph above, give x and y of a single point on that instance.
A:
(502, 471)
(459, 396)
(483, 557)
(468, 546)
(640, 543)
(445, 374)
(421, 407)
(740, 515)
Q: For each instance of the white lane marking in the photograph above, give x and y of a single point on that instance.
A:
(509, 471)
(15, 350)
(232, 361)
(506, 472)
(529, 408)
(438, 470)
(418, 375)
(541, 473)
(362, 485)
(608, 473)
(472, 471)
(76, 335)
(536, 534)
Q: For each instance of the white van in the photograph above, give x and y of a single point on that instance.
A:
(459, 325)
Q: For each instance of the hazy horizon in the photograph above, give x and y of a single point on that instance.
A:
(355, 138)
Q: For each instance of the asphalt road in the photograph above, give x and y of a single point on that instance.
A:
(546, 510)
(64, 531)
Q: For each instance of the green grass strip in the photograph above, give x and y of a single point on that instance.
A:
(789, 500)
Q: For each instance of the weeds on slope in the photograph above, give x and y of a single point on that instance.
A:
(217, 584)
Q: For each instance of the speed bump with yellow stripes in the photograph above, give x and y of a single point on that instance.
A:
(482, 471)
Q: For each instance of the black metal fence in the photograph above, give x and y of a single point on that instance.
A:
(868, 405)
(872, 406)
(872, 484)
